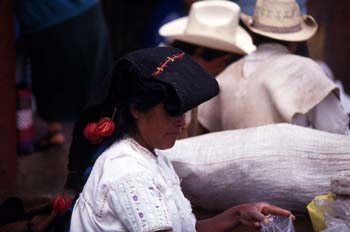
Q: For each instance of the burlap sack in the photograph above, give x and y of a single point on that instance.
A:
(282, 164)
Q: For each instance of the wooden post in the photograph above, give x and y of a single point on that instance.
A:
(8, 157)
(337, 43)
(331, 43)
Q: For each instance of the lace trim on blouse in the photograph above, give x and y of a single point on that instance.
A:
(142, 203)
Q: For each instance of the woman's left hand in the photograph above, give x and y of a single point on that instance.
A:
(252, 214)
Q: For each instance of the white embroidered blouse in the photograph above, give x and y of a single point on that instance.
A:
(129, 189)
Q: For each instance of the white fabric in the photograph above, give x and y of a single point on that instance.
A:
(131, 190)
(262, 53)
(344, 97)
(283, 164)
(24, 119)
(340, 184)
(328, 115)
(273, 86)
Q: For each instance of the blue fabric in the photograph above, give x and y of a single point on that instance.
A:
(166, 11)
(17, 28)
(87, 173)
(99, 151)
(37, 15)
(94, 157)
(247, 6)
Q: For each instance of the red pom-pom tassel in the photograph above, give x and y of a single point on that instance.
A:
(91, 133)
(62, 204)
(96, 132)
(105, 127)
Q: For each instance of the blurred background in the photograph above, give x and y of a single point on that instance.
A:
(130, 25)
(127, 21)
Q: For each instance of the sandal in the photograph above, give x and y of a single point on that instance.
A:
(47, 142)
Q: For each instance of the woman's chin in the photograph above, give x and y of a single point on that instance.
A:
(167, 145)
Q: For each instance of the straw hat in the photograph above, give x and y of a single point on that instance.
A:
(280, 19)
(212, 24)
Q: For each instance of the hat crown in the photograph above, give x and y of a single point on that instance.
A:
(191, 85)
(212, 24)
(216, 17)
(277, 16)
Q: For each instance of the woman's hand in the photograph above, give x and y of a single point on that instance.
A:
(252, 214)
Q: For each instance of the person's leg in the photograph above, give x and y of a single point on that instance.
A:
(70, 63)
(56, 130)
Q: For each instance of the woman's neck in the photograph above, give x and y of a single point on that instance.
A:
(142, 142)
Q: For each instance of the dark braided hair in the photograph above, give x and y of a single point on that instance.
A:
(126, 90)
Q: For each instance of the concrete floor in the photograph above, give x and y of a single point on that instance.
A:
(43, 175)
(40, 175)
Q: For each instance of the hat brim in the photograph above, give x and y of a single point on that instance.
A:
(176, 29)
(308, 29)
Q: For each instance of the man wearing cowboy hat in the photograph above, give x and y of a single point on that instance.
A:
(272, 85)
(211, 35)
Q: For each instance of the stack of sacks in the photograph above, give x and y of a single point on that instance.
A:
(340, 185)
(282, 164)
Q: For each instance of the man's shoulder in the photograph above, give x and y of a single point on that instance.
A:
(299, 61)
(232, 68)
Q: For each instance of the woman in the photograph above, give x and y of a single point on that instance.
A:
(130, 188)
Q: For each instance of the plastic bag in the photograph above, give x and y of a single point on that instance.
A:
(278, 224)
(317, 213)
(336, 214)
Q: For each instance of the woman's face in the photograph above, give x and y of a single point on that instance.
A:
(157, 129)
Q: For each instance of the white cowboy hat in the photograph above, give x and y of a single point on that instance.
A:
(212, 24)
(281, 20)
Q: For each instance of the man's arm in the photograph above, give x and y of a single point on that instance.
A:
(329, 116)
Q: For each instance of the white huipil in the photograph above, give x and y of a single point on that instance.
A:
(129, 189)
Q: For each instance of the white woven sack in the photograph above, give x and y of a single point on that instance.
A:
(282, 164)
